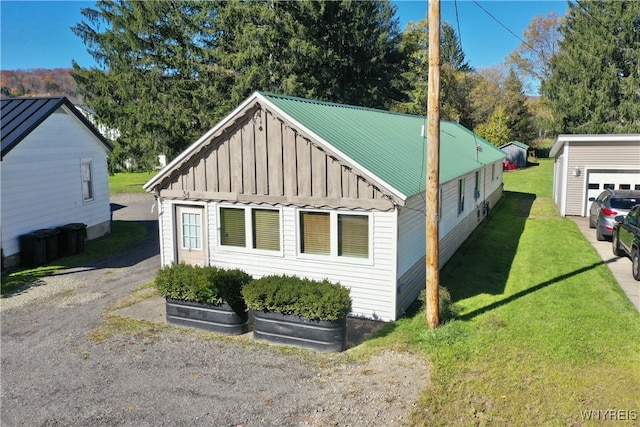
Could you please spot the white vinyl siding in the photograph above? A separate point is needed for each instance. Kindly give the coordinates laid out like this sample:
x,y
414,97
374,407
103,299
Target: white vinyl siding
x,y
42,181
594,153
372,283
453,228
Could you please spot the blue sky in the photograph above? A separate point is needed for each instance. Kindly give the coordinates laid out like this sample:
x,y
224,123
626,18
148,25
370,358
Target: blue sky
x,y
36,34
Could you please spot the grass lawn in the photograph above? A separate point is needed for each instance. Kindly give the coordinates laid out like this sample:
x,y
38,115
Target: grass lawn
x,y
129,182
544,334
123,234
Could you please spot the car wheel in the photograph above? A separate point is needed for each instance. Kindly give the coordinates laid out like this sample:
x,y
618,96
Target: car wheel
x,y
591,224
599,235
614,245
635,264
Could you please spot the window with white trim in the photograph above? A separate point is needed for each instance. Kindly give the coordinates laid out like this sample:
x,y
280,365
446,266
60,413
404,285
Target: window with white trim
x,y
251,228
232,227
87,180
334,234
353,236
315,233
461,189
476,190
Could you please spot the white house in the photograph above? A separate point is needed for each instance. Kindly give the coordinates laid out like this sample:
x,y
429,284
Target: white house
x,y
54,171
587,164
293,186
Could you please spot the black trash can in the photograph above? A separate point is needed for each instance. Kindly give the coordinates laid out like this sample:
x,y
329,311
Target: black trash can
x,y
72,238
51,243
33,249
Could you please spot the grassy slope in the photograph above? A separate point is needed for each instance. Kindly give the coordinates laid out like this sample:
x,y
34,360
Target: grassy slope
x,y
129,182
544,331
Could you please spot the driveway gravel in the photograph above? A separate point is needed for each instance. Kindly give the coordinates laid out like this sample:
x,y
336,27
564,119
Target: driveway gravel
x,y
63,362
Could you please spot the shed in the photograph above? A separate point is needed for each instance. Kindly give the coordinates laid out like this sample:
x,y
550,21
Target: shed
x,y
54,171
287,185
587,164
517,153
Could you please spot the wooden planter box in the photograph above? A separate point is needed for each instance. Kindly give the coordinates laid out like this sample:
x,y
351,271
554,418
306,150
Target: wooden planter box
x,y
216,318
322,335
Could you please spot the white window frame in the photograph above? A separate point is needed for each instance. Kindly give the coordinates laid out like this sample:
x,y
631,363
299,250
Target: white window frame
x,y
333,238
462,188
248,230
91,197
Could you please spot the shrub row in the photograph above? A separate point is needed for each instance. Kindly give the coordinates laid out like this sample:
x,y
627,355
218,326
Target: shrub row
x,y
318,300
206,285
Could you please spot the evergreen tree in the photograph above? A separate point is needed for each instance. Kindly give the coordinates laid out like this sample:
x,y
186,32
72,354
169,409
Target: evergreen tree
x,y
595,77
515,104
345,52
169,70
157,81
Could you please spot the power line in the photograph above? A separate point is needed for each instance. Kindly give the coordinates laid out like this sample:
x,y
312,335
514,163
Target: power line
x,y
503,26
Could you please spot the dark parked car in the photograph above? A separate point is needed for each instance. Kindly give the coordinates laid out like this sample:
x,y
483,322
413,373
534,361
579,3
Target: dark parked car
x,y
607,206
626,239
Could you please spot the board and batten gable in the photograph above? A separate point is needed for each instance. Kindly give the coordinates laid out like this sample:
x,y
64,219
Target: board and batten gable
x,y
577,156
260,158
42,182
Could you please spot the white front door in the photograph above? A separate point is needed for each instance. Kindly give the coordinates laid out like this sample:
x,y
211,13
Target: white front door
x,y
191,235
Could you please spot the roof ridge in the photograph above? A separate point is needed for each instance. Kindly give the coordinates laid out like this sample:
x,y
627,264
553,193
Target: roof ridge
x,y
335,104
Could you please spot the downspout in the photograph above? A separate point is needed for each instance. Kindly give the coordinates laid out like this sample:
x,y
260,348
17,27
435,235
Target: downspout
x,y
158,199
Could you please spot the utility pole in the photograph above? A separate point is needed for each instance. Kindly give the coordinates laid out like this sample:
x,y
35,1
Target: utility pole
x,y
433,167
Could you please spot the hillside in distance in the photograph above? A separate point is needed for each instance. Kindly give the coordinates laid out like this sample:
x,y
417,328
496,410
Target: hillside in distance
x,y
39,82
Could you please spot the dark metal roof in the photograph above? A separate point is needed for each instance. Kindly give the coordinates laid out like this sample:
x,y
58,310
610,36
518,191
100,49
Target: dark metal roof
x,y
20,116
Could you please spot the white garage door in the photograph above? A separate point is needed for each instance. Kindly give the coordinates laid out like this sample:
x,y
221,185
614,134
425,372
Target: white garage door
x,y
598,180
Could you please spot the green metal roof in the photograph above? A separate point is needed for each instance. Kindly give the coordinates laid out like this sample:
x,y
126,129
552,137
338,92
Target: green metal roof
x,y
389,145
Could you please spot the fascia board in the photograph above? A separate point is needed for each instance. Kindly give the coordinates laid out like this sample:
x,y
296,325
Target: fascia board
x,y
193,147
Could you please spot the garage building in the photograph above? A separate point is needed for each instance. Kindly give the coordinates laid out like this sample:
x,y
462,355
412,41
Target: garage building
x,y
587,164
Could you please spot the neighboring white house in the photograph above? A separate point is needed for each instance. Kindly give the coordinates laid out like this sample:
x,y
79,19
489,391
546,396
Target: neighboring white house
x,y
587,164
54,171
293,186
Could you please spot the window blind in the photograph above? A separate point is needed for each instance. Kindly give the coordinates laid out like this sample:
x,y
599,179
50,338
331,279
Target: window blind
x,y
315,236
266,229
232,227
353,236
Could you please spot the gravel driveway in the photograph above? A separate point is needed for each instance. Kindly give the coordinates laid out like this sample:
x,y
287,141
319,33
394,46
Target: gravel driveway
x,y
60,368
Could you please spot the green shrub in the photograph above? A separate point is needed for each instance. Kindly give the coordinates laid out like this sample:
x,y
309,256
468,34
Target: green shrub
x,y
318,300
206,285
447,309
